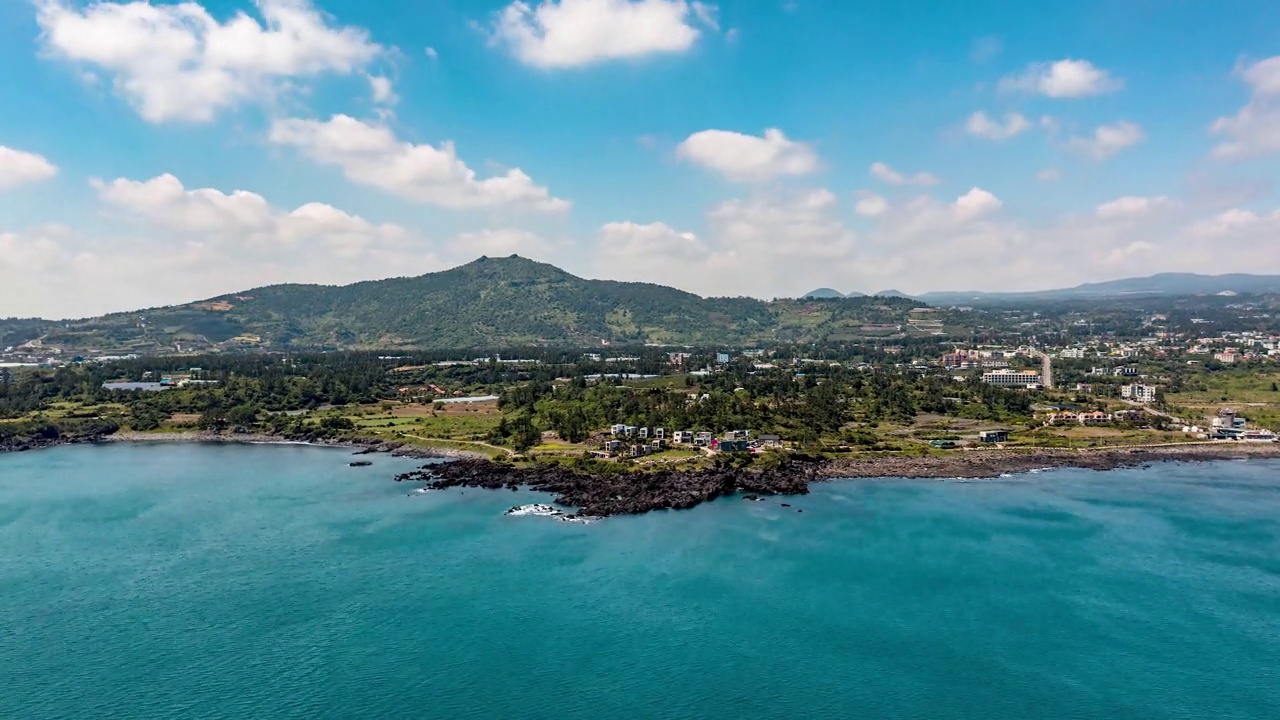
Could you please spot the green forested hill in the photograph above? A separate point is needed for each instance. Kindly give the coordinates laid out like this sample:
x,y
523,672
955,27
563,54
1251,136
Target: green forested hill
x,y
490,302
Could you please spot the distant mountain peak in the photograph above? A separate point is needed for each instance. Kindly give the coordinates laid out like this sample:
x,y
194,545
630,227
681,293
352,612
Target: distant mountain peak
x,y
823,294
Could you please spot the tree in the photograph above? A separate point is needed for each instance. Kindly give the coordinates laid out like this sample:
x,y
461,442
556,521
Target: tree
x,y
524,435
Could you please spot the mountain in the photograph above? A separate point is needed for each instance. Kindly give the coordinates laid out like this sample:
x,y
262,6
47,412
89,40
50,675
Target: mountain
x,y
892,293
491,302
1161,284
512,301
823,294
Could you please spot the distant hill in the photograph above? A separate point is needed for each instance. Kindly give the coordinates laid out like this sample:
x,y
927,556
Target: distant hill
x,y
823,294
491,302
1161,284
512,301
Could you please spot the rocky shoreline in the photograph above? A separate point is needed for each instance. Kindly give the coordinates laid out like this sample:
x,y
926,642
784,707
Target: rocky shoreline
x,y
360,445
629,493
995,463
601,494
622,493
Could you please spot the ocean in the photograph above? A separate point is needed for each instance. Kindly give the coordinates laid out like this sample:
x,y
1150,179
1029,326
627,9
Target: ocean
x,y
238,581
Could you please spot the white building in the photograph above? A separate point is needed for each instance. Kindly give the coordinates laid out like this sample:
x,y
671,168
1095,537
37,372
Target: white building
x,y
1012,378
1139,392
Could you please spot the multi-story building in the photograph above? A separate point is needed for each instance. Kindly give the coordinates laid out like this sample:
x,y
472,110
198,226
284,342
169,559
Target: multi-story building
x,y
1138,392
1013,378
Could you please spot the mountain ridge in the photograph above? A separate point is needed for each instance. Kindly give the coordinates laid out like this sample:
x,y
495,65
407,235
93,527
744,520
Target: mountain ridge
x,y
514,301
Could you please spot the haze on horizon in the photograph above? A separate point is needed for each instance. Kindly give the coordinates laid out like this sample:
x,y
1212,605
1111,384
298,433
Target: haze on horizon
x,y
154,153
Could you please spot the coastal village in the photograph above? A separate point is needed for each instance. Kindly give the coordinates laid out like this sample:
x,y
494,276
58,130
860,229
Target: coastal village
x,y
1156,385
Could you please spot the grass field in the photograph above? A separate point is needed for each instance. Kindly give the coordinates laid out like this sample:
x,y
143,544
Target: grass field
x,y
457,421
1249,394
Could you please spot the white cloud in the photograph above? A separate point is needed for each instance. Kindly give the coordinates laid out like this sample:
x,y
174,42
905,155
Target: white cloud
x,y
982,126
571,33
21,168
160,243
1107,140
177,62
431,53
1049,174
778,244
242,218
370,154
500,242
870,204
628,242
975,204
1131,205
1233,221
1063,79
1255,129
382,90
886,174
767,243
747,157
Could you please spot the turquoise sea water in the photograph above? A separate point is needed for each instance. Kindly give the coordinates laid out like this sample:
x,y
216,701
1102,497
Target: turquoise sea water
x,y
276,582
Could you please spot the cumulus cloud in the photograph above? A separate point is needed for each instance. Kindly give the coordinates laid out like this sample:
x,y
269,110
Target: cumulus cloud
x,y
975,204
776,243
1131,205
161,243
21,168
629,242
244,218
769,242
382,90
572,33
1107,140
747,157
886,174
499,242
1063,79
870,204
1235,220
370,154
1255,129
178,62
982,126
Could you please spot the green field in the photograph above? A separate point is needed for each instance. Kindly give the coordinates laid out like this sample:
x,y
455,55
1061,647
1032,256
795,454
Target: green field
x,y
1254,395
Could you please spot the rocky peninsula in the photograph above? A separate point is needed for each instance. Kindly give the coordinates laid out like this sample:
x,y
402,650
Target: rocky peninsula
x,y
601,494
618,493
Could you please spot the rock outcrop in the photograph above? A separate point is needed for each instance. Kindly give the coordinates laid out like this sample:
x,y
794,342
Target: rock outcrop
x,y
620,493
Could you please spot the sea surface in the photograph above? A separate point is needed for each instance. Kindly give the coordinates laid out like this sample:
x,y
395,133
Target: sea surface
x,y
229,581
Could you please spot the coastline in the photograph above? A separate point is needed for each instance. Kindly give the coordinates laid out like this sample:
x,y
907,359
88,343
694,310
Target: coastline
x,y
970,464
976,464
629,492
359,445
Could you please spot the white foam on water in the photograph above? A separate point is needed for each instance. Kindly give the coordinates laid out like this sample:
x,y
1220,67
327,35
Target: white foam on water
x,y
579,519
538,509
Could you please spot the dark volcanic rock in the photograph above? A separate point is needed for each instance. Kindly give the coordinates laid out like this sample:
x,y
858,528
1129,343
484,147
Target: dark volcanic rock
x,y
618,493
604,494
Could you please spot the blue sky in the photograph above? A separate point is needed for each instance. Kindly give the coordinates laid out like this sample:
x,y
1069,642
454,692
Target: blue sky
x,y
163,152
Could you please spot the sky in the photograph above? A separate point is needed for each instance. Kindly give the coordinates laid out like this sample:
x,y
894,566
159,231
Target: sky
x,y
154,153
